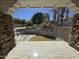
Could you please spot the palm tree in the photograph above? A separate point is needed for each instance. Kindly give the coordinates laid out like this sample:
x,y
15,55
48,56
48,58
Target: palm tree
x,y
59,14
64,10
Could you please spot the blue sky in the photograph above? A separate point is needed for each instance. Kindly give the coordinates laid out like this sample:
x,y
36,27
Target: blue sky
x,y
27,13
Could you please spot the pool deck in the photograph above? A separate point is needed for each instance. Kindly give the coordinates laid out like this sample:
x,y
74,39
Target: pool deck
x,y
43,50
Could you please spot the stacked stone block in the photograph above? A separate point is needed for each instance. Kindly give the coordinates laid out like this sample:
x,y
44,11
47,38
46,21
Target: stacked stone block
x,y
75,32
7,41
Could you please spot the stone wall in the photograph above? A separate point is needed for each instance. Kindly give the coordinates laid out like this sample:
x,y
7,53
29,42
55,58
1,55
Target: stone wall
x,y
7,41
75,32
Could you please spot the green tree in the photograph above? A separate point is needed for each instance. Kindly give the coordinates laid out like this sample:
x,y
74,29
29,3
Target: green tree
x,y
37,18
23,21
17,21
